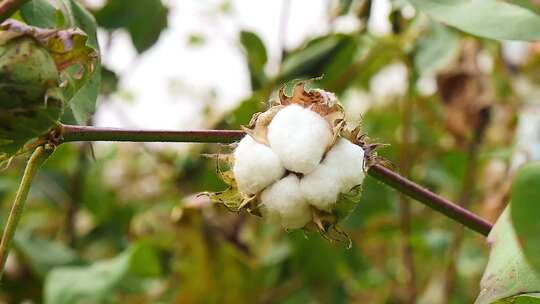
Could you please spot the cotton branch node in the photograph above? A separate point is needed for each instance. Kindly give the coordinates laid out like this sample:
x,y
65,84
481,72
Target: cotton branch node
x,y
300,165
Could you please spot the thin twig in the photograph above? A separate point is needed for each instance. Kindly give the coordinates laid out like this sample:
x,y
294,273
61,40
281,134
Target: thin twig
x,y
383,174
87,133
430,199
38,157
9,7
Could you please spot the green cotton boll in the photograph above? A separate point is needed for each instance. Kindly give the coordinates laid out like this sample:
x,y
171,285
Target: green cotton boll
x,y
27,71
31,101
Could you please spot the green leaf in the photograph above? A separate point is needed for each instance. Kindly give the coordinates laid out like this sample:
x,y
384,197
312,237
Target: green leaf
x,y
84,90
144,20
307,61
532,5
43,255
436,50
94,283
109,81
350,48
532,298
485,18
507,273
81,92
256,58
347,202
83,103
525,206
41,13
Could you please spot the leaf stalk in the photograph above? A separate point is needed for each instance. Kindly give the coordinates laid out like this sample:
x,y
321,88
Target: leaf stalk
x,y
37,158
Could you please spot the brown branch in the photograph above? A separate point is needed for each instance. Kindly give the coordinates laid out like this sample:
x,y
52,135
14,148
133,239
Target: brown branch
x,y
71,133
385,175
430,199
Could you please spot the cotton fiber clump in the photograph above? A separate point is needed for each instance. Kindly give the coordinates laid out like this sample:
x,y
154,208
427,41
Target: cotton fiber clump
x,y
347,159
284,203
299,165
299,137
321,187
256,166
341,170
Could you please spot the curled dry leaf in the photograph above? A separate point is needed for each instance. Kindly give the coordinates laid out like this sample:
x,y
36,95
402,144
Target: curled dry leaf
x,y
467,95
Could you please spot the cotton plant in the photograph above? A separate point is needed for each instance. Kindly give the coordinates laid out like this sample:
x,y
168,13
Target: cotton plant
x,y
300,165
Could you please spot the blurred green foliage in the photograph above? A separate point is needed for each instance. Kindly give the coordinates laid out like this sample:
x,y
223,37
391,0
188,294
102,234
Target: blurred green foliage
x,y
128,227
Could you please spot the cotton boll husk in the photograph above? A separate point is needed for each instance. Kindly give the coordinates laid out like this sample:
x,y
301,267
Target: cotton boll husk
x,y
283,202
255,166
299,137
321,187
347,159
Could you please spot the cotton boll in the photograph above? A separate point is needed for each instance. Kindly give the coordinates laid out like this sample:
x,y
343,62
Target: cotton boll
x,y
348,160
255,166
299,137
283,202
321,187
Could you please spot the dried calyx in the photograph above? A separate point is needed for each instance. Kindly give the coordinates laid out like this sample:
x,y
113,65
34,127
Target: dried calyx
x,y
300,165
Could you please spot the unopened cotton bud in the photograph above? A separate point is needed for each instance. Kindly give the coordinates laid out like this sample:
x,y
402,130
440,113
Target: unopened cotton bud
x,y
255,166
321,187
348,160
299,137
283,202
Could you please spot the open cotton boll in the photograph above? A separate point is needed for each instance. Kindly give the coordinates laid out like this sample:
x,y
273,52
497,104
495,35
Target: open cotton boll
x,y
255,166
283,201
321,187
348,160
299,137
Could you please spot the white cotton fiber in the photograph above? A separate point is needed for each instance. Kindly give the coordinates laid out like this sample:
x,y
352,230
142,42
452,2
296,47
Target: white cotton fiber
x,y
283,202
299,137
348,160
321,187
255,166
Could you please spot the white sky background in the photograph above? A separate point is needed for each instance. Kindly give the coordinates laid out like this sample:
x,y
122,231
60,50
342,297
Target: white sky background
x,y
217,65
172,83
